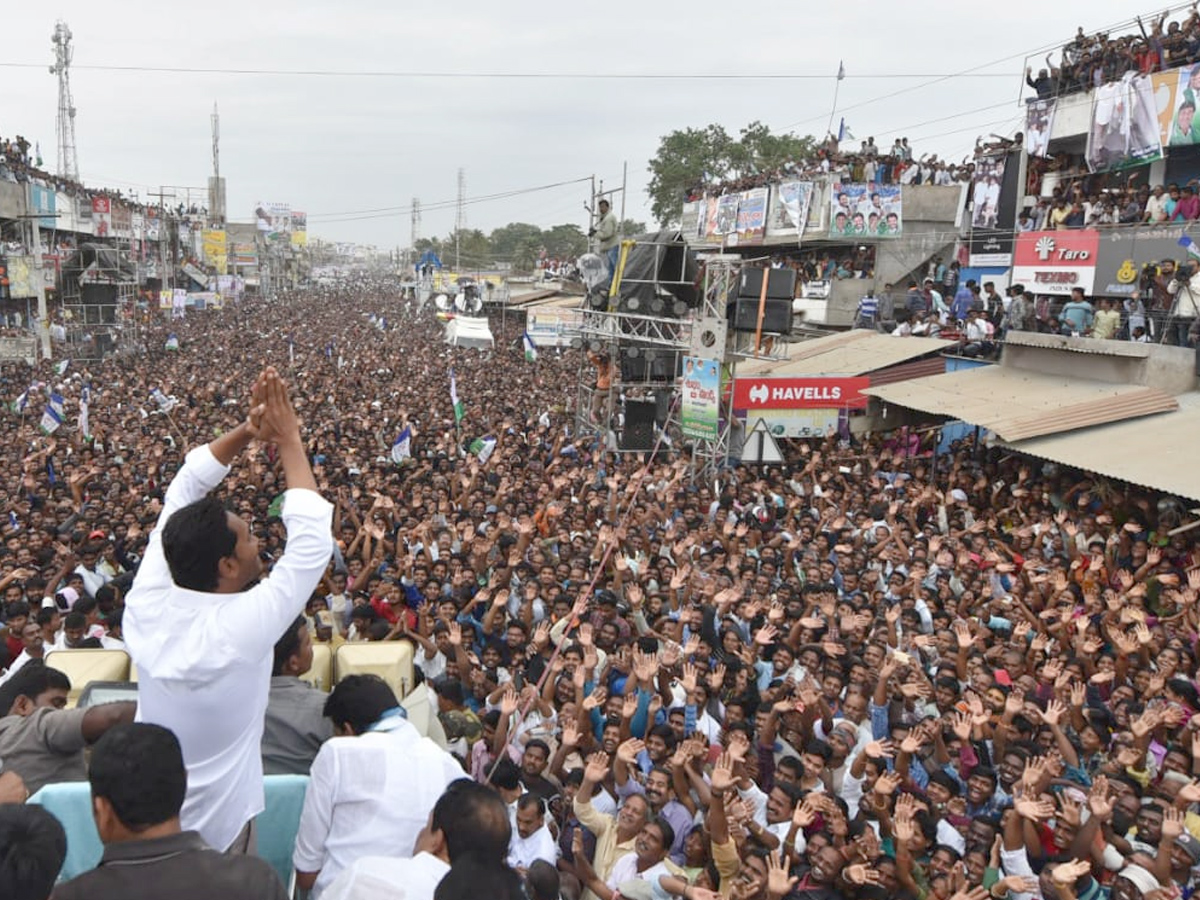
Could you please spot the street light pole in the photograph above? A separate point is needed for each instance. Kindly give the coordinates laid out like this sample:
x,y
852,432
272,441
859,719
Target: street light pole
x,y
39,277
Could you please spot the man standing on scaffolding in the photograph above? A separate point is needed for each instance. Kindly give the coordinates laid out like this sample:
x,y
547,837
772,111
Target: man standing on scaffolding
x,y
605,233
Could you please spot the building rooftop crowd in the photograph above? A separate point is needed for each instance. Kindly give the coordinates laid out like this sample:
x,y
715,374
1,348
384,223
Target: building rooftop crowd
x,y
1090,60
871,671
870,163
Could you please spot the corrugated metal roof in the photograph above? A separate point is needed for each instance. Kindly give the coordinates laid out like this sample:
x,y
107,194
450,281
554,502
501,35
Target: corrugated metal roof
x,y
1157,452
854,352
1017,404
918,368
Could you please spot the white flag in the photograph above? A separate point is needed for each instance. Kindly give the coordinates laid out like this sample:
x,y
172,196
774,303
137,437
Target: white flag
x,y
402,448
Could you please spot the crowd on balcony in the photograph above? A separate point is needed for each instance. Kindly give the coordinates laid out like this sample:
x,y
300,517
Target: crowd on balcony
x,y
870,163
19,165
1075,206
1090,61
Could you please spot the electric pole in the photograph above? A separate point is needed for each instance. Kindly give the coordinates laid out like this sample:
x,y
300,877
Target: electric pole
x,y
460,215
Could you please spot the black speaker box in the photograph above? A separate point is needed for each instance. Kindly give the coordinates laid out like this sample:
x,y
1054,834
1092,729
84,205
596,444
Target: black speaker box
x,y
743,315
99,294
639,425
781,283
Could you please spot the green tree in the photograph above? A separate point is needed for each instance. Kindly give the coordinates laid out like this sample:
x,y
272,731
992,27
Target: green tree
x,y
565,241
630,227
525,257
506,240
472,248
697,156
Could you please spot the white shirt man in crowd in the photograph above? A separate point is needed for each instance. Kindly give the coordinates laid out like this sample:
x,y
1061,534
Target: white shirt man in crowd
x,y
202,636
372,786
469,821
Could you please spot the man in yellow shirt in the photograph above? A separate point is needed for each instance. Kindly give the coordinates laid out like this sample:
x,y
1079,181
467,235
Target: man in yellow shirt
x,y
615,835
1107,320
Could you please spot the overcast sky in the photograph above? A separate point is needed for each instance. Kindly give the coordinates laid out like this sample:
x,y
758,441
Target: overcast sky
x,y
331,144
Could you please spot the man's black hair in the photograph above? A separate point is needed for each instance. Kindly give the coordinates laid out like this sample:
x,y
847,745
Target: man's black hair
x,y
74,619
464,880
35,846
668,833
46,614
359,701
542,881
138,768
16,609
84,605
288,645
32,680
506,776
538,742
528,800
474,821
194,540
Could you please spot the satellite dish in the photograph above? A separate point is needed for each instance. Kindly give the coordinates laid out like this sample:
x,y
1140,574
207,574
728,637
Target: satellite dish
x,y
442,302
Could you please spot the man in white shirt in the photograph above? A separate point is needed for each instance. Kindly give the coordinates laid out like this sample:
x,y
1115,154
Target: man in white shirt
x,y
532,839
202,637
469,820
372,786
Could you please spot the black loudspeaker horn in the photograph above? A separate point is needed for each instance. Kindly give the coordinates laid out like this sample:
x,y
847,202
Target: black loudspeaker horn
x,y
639,425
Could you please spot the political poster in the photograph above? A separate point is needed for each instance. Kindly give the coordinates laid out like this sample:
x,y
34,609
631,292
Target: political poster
x,y
727,212
1039,122
788,208
1125,130
869,210
215,249
273,220
299,228
700,400
752,216
1176,93
994,196
101,217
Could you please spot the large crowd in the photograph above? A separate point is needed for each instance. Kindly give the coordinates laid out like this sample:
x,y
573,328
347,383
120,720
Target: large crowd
x,y
873,671
1091,60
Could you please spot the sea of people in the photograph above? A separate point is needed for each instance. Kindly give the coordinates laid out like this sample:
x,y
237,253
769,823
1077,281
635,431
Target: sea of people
x,y
872,671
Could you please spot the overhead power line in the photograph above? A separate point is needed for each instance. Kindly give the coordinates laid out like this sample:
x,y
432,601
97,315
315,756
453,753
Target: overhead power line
x,y
384,212
421,73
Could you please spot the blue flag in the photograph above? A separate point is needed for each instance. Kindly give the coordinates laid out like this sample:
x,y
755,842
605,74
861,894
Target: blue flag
x,y
402,448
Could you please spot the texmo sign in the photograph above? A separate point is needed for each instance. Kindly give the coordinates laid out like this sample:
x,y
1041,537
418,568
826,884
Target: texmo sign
x,y
1054,262
799,393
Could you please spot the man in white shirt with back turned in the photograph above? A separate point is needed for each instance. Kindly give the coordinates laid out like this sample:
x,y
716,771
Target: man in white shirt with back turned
x,y
373,785
201,632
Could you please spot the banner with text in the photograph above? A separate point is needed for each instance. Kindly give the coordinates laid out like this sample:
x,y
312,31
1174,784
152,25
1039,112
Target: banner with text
x,y
753,394
1124,254
700,402
1054,262
752,217
994,195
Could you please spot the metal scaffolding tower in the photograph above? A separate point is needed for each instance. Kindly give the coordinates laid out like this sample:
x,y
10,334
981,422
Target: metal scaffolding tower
x,y
646,353
64,125
416,223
